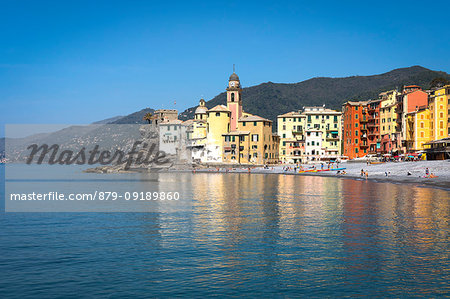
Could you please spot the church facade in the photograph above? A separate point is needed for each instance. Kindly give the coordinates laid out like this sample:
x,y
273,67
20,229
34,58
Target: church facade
x,y
227,134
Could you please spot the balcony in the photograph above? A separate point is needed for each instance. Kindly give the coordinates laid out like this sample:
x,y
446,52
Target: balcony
x,y
364,145
364,120
332,138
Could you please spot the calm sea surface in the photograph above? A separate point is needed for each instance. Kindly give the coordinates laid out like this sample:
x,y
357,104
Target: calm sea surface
x,y
233,234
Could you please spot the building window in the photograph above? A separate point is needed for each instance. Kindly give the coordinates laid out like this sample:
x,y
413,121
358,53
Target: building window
x,y
421,124
255,124
356,133
284,119
312,142
356,141
284,143
232,97
217,114
356,116
309,118
284,135
243,123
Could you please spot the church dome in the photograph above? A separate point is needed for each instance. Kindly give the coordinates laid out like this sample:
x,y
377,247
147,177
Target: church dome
x,y
234,77
201,110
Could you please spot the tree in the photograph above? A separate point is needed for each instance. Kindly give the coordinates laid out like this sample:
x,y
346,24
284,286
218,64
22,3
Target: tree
x,y
439,82
148,117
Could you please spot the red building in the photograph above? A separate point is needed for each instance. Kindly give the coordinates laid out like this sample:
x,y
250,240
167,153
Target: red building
x,y
355,129
373,126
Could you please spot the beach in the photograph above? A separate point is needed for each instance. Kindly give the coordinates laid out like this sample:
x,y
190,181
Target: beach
x,y
397,172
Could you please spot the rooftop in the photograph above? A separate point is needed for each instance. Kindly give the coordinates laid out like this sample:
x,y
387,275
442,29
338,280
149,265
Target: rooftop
x,y
219,108
253,118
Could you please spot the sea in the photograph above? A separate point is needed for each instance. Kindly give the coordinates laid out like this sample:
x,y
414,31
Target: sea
x,y
228,234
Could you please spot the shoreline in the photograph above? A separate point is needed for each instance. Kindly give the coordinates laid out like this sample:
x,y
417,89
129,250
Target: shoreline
x,y
376,172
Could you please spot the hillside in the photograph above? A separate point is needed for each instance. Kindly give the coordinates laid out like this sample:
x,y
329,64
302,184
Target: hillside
x,y
272,99
133,118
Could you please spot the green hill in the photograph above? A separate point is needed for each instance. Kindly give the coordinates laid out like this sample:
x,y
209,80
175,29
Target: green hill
x,y
272,99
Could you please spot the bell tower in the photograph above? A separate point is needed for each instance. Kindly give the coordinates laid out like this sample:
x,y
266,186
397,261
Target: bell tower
x,y
234,100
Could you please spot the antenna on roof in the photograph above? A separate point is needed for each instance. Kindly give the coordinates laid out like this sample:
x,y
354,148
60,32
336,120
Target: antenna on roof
x,y
233,68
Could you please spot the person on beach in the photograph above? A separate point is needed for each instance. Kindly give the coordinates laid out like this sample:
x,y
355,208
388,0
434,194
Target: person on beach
x,y
362,172
367,174
427,172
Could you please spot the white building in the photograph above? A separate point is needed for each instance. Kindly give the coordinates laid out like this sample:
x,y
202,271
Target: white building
x,y
313,144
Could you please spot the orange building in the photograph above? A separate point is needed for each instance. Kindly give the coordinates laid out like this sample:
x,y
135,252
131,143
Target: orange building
x,y
411,99
373,126
355,129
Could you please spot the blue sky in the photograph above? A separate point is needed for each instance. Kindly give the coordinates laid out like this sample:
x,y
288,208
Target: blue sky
x,y
83,61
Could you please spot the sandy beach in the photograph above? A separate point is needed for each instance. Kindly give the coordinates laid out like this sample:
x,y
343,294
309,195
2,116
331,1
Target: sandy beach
x,y
397,172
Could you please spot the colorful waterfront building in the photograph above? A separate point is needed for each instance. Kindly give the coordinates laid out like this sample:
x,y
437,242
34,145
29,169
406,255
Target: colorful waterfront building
x,y
291,127
329,122
252,143
410,100
388,121
227,134
314,150
373,126
438,103
355,129
418,129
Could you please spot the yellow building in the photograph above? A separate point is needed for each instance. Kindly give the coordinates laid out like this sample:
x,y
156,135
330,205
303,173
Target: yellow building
x,y
418,129
329,122
231,135
438,105
254,143
290,129
388,120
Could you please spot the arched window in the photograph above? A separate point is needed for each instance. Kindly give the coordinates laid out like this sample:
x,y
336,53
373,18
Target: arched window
x,y
232,97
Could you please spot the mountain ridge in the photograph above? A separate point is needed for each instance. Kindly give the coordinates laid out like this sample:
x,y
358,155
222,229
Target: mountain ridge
x,y
270,99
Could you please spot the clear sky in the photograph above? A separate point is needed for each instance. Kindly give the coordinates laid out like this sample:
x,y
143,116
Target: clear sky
x,y
82,61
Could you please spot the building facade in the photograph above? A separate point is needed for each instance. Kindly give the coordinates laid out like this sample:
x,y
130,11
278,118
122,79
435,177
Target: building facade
x,y
438,103
292,128
355,131
227,134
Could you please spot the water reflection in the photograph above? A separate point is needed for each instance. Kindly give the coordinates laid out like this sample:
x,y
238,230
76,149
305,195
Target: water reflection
x,y
239,234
